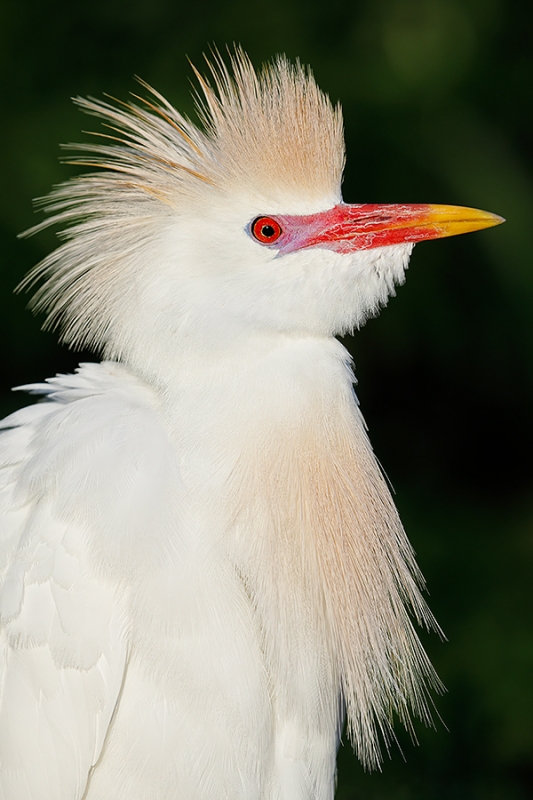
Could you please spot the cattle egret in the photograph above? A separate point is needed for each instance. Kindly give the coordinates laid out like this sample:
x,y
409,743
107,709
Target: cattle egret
x,y
203,569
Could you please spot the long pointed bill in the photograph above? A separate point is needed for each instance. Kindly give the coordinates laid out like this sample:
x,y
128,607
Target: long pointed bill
x,y
346,228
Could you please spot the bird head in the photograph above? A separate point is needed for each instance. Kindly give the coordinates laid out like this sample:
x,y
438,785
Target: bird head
x,y
237,228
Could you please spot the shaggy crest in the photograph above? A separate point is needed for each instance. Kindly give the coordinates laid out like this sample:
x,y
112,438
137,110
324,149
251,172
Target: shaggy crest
x,y
271,138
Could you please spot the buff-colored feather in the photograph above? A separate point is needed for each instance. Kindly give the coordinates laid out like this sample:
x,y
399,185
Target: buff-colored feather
x,y
333,536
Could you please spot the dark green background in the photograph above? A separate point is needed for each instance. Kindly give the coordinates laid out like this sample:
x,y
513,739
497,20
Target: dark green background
x,y
438,108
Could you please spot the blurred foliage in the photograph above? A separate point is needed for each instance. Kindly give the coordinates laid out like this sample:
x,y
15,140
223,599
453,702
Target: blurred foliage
x,y
438,108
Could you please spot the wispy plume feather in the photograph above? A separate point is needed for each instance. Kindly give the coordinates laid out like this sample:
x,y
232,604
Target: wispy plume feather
x,y
271,135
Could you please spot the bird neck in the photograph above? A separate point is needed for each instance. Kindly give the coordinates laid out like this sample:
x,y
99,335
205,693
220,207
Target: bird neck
x,y
217,400
242,374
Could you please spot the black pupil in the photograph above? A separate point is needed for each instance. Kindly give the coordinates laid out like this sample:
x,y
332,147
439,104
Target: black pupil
x,y
267,231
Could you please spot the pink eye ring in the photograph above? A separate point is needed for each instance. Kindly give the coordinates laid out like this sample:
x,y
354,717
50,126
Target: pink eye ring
x,y
266,230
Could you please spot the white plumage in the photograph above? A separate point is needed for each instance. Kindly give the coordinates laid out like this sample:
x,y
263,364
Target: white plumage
x,y
201,563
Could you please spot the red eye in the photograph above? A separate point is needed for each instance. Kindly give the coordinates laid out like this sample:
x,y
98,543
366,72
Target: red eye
x,y
266,230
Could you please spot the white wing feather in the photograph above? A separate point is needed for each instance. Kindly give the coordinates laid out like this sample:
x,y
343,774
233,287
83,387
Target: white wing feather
x,y
76,473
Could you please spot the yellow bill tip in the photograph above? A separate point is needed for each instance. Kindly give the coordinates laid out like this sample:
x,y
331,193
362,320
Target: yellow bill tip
x,y
453,220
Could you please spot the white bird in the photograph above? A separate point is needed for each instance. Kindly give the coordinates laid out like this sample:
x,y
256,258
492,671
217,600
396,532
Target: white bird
x,y
203,570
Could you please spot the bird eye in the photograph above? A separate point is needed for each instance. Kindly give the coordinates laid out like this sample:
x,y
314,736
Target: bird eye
x,y
266,230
